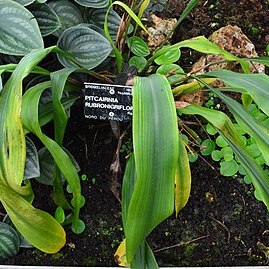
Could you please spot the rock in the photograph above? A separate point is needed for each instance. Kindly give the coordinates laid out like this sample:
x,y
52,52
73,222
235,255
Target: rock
x,y
233,40
159,31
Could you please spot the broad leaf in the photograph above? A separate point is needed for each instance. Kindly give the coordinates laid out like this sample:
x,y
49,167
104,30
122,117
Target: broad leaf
x,y
144,257
138,46
93,3
9,241
46,17
19,30
86,46
37,226
61,158
97,17
156,155
68,13
24,2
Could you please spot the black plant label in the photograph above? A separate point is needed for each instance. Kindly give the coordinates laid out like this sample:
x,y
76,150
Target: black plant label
x,y
107,102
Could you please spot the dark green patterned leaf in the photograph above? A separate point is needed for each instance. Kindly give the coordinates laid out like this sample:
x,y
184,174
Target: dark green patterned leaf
x,y
47,19
86,46
68,13
20,33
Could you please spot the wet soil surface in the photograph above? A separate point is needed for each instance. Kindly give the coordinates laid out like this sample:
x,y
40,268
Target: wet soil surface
x,y
222,224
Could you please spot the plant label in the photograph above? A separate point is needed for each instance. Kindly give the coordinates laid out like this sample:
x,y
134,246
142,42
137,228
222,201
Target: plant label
x,y
107,102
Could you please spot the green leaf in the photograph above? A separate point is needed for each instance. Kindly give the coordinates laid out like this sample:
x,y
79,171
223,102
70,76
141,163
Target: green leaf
x,y
86,46
9,241
168,57
258,177
173,72
31,165
253,127
210,129
138,46
20,33
139,62
59,214
37,226
207,147
97,17
255,85
203,45
190,6
220,141
64,163
46,17
216,155
68,13
192,157
228,169
155,159
93,3
144,255
227,153
24,2
46,164
253,150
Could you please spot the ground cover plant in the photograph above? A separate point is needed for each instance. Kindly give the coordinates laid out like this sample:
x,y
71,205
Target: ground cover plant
x,y
159,156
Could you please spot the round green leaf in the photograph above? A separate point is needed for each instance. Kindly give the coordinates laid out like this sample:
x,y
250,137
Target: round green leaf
x,y
86,46
260,160
78,227
19,30
216,155
247,179
93,3
210,129
228,169
207,147
139,62
81,201
253,150
138,46
9,241
169,57
173,72
193,157
68,13
221,142
227,153
46,17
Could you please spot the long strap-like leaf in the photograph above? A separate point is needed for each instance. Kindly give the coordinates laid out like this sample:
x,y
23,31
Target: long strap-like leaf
x,y
224,125
155,138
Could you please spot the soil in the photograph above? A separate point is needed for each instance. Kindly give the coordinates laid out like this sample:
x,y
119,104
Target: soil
x,y
222,224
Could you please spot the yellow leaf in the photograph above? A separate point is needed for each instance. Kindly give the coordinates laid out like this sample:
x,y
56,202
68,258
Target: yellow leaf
x,y
120,255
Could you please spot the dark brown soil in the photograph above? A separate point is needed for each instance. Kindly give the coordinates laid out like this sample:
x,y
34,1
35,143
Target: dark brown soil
x,y
222,225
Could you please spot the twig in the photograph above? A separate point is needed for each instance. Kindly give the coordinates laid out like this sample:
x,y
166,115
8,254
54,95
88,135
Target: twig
x,y
182,244
224,226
